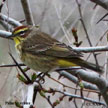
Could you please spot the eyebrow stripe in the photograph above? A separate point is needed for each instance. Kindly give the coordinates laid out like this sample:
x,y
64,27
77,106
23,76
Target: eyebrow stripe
x,y
18,31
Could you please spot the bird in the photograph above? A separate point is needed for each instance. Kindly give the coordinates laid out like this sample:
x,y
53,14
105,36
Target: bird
x,y
41,52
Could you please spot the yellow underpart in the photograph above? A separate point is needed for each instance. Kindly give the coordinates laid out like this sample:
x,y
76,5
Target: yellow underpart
x,y
65,63
18,31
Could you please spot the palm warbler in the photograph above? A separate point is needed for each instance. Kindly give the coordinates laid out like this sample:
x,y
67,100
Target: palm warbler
x,y
43,53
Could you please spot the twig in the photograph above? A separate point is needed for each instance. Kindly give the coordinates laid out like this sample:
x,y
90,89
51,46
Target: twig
x,y
35,93
91,49
80,97
5,25
73,96
13,65
68,26
1,6
84,100
82,21
102,18
100,39
61,24
102,3
21,69
46,6
27,12
106,63
48,99
74,101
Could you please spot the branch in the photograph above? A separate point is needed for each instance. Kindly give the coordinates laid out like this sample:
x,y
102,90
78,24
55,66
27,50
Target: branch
x,y
9,20
102,3
6,26
75,80
80,97
53,91
96,79
90,49
5,34
27,12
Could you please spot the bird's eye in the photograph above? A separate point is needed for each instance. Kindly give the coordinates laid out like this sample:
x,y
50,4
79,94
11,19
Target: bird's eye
x,y
22,33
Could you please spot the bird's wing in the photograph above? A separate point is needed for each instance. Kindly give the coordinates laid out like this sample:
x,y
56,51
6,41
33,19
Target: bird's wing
x,y
42,43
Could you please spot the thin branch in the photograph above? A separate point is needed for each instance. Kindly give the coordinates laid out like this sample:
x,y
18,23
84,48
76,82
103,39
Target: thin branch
x,y
100,39
90,49
68,25
51,90
9,20
20,69
12,65
74,100
49,101
46,7
87,35
27,12
5,25
102,18
61,24
35,93
2,3
80,97
102,3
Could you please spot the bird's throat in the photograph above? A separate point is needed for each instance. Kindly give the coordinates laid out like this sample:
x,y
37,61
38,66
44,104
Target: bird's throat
x,y
17,40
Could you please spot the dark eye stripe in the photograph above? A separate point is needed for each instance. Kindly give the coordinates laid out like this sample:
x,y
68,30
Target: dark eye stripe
x,y
22,32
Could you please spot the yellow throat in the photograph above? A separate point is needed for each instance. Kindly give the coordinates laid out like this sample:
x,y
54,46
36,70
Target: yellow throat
x,y
17,41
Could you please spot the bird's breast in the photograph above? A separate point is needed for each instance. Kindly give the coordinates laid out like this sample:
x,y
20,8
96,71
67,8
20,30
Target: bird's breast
x,y
18,49
38,62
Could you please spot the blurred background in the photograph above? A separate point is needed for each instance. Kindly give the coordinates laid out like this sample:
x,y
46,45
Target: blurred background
x,y
50,16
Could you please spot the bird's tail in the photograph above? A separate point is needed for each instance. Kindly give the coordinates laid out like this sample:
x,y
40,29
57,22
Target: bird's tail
x,y
79,62
89,65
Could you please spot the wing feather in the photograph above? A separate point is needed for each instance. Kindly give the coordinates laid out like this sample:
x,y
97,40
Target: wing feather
x,y
41,43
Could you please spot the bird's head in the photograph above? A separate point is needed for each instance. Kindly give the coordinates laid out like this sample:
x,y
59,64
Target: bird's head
x,y
19,34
